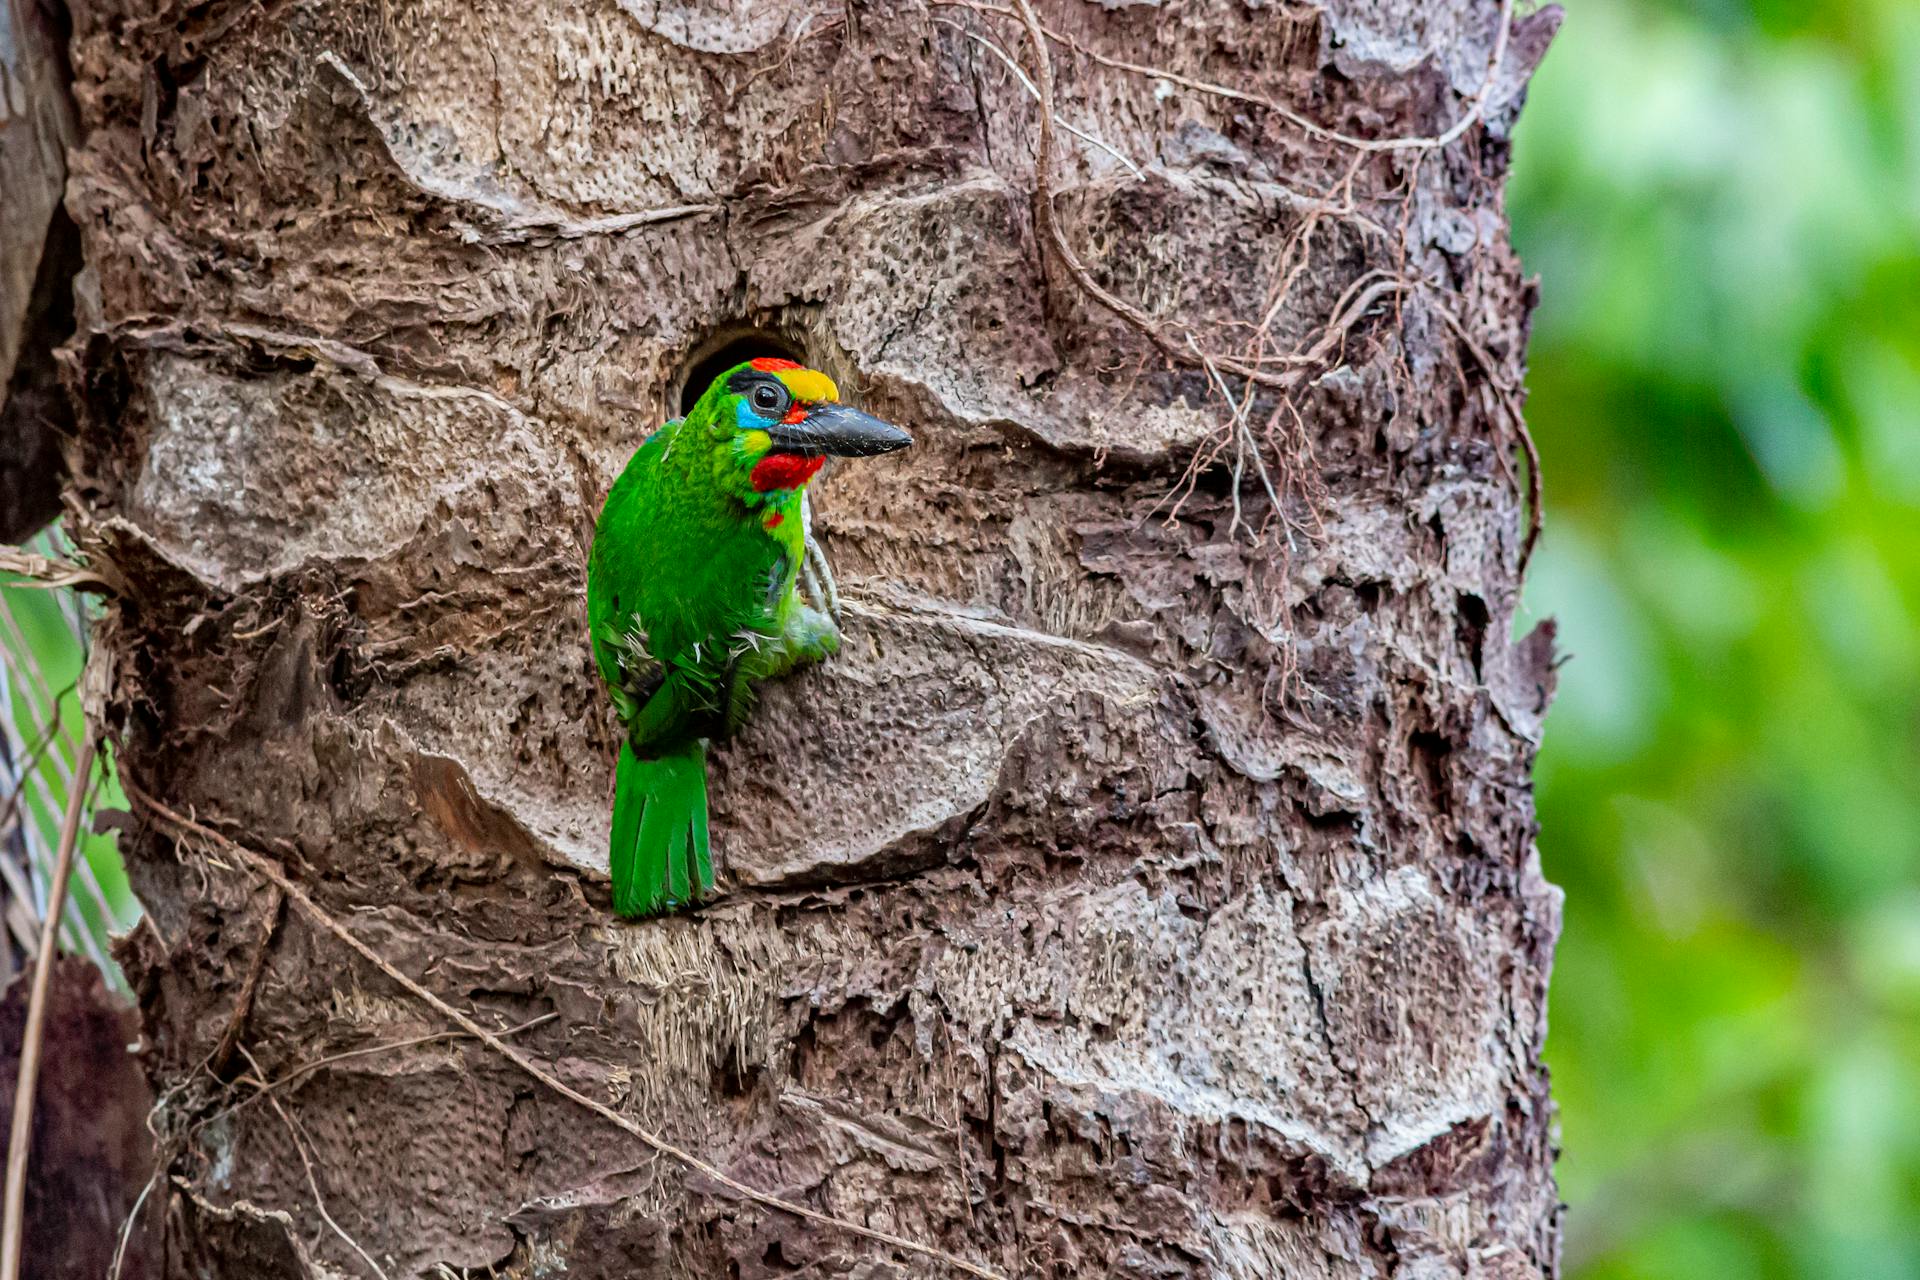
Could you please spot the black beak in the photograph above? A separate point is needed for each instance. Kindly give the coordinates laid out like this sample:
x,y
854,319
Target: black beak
x,y
840,430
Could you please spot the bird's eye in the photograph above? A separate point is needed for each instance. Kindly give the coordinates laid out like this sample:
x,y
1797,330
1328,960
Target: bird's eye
x,y
769,400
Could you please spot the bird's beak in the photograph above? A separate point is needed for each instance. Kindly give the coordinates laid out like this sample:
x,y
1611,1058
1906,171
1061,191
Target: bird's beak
x,y
840,430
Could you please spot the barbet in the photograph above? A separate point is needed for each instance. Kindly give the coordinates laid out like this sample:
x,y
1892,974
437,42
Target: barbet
x,y
691,599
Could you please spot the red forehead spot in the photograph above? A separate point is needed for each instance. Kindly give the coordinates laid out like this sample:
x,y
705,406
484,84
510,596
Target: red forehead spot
x,y
772,364
775,520
784,471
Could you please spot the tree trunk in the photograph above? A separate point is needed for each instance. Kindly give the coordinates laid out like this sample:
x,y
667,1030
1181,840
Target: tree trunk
x,y
1148,887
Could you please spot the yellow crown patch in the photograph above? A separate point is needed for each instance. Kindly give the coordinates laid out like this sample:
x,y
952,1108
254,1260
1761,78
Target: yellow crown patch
x,y
808,384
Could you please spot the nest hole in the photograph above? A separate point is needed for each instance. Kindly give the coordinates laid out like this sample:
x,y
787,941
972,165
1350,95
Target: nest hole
x,y
724,348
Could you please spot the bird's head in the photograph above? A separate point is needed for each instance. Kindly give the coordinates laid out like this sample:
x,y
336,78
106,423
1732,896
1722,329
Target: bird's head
x,y
774,424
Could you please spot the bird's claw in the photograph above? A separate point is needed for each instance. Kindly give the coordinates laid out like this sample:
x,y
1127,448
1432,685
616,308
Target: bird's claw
x,y
816,577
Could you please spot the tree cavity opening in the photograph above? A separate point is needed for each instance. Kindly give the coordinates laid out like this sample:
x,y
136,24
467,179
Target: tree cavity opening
x,y
724,348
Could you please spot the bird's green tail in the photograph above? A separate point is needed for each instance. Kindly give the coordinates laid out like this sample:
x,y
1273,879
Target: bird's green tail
x,y
659,857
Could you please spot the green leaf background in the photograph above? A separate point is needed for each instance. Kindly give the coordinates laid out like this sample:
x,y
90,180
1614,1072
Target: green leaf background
x,y
1722,200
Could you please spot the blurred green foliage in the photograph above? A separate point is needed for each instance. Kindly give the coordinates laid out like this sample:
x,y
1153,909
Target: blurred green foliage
x,y
1723,202
40,645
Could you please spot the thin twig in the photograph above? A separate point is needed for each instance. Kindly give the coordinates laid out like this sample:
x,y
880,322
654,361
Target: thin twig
x,y
1510,401
13,1228
1476,108
387,1046
126,1228
1244,444
46,571
1346,316
268,870
1027,84
243,1002
1043,202
1177,351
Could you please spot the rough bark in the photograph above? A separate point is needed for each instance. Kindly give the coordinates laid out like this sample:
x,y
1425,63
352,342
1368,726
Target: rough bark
x,y
39,253
1137,894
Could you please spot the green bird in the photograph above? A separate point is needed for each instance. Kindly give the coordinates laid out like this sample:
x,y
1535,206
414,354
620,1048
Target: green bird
x,y
691,600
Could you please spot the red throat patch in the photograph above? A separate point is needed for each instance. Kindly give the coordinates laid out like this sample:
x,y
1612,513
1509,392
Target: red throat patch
x,y
784,471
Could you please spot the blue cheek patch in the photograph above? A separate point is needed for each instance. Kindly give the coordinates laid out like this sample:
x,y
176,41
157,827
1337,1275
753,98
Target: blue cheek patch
x,y
747,419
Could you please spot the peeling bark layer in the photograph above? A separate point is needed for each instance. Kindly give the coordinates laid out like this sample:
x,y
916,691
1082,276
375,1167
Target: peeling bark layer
x,y
1133,896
